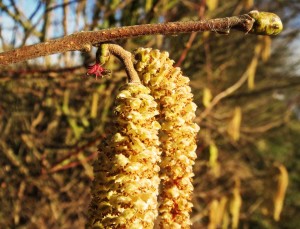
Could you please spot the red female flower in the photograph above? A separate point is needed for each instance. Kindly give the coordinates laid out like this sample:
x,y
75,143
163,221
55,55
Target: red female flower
x,y
97,70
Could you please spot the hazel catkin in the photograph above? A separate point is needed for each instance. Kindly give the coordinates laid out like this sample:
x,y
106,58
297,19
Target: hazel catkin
x,y
171,91
125,187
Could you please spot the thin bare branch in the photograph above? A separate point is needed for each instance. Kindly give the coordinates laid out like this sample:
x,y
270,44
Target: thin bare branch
x,y
18,17
84,40
46,22
188,45
223,94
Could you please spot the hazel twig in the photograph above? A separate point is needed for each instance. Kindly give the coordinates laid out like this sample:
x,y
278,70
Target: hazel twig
x,y
103,55
127,59
253,22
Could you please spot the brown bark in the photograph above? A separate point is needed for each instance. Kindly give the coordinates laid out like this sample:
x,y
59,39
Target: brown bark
x,y
83,41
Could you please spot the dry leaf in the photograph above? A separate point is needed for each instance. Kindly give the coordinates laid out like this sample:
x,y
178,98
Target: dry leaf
x,y
212,4
253,66
233,128
216,212
221,210
282,184
248,4
213,159
206,97
94,106
235,204
213,210
266,48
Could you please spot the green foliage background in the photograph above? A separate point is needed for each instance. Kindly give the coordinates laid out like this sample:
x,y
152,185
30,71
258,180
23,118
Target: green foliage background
x,y
52,119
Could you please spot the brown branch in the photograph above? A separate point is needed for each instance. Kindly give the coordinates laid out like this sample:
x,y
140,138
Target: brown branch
x,y
84,40
184,53
231,89
264,128
222,95
72,164
269,126
14,159
47,21
263,23
188,45
263,90
65,19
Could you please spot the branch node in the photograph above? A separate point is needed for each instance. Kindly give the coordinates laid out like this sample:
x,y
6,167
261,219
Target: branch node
x,y
86,48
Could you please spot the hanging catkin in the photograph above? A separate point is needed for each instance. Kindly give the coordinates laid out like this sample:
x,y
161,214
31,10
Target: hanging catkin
x,y
178,131
125,188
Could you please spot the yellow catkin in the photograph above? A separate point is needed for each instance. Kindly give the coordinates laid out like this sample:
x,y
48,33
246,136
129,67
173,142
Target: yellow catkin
x,y
178,132
125,187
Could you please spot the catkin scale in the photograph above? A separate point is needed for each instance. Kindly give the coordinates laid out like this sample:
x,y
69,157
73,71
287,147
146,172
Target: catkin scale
x,y
125,187
178,132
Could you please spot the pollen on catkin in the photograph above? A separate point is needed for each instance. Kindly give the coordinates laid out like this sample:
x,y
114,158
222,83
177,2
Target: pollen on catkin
x,y
125,187
178,134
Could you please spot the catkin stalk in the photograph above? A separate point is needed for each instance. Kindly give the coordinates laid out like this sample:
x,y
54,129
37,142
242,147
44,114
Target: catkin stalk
x,y
178,132
125,188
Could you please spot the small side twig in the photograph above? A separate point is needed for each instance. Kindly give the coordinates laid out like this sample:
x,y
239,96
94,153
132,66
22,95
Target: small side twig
x,y
127,59
102,57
